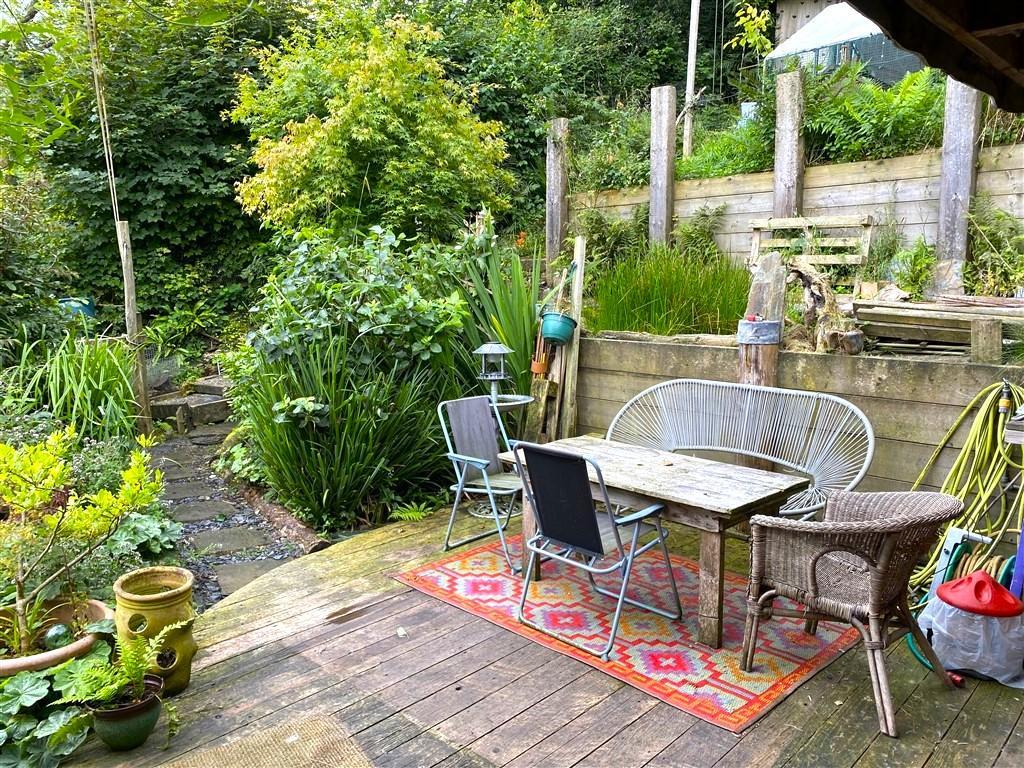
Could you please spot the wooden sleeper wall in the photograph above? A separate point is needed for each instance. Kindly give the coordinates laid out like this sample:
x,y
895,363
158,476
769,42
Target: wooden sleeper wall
x,y
910,403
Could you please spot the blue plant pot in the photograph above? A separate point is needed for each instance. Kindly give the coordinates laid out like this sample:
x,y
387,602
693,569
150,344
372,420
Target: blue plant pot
x,y
78,306
556,327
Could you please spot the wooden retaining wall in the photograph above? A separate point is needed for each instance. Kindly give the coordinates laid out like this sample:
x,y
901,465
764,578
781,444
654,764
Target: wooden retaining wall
x,y
911,403
907,187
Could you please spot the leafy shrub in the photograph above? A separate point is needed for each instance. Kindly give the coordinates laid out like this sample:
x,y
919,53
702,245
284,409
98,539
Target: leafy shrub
x,y
689,288
167,85
356,124
610,239
28,268
613,152
914,269
338,385
996,244
502,299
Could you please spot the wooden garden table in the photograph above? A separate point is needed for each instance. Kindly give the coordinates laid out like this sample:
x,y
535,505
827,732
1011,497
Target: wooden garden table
x,y
708,495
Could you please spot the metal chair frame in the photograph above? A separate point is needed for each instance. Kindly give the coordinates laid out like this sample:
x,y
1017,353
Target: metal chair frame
x,y
819,435
465,469
543,548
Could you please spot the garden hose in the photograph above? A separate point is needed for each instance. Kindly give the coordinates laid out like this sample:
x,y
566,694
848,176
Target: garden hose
x,y
978,476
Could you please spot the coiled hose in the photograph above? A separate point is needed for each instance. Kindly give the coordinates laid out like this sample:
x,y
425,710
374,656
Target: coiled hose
x,y
992,506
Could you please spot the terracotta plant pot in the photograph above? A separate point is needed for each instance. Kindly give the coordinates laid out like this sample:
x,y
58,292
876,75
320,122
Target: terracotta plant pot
x,y
150,599
128,726
63,613
540,367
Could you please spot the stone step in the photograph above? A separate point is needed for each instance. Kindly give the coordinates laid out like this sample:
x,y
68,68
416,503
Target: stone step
x,y
191,512
187,410
222,541
211,385
233,576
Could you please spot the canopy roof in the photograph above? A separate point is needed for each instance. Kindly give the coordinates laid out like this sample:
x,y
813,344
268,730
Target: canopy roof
x,y
836,24
979,42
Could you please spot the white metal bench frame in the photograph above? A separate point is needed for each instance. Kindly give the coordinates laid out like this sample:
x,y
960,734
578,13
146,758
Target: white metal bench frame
x,y
819,435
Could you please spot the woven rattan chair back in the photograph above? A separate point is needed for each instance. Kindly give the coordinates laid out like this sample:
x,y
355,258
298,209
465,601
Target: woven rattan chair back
x,y
822,436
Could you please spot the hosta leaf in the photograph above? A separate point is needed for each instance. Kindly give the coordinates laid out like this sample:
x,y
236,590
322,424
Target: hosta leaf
x,y
64,730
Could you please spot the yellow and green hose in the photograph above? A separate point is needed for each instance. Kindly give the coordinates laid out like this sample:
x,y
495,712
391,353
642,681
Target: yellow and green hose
x,y
978,476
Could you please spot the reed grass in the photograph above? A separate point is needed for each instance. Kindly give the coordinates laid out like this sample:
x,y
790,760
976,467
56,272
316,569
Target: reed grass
x,y
666,292
343,441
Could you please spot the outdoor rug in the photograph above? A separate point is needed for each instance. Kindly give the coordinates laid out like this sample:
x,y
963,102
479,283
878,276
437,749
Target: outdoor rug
x,y
657,655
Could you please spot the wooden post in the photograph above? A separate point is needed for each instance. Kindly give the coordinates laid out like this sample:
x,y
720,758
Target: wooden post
x,y
760,340
789,146
567,422
557,192
691,78
960,132
133,326
987,340
663,162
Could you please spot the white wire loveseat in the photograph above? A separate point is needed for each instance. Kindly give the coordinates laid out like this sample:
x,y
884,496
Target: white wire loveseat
x,y
822,436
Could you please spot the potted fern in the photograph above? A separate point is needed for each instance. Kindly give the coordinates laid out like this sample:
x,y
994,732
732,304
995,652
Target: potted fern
x,y
123,697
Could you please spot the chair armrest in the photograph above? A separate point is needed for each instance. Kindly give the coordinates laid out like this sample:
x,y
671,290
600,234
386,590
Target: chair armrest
x,y
480,464
642,514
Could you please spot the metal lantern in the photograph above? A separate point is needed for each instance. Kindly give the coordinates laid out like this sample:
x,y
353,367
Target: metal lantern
x,y
492,364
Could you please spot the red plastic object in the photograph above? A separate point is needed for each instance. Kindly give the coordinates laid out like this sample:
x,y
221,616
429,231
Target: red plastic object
x,y
980,593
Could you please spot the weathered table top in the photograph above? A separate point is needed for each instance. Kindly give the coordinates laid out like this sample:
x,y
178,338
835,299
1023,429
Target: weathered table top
x,y
688,481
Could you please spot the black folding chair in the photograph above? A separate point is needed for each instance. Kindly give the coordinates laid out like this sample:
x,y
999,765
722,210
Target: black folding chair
x,y
571,530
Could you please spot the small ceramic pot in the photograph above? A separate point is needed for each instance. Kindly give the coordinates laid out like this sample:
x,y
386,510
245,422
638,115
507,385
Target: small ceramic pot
x,y
540,367
129,726
556,327
62,613
150,599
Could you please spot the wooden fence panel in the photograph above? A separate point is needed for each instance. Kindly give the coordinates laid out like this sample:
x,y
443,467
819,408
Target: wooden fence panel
x,y
906,188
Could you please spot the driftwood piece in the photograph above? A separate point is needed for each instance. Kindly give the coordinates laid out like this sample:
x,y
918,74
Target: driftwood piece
x,y
832,329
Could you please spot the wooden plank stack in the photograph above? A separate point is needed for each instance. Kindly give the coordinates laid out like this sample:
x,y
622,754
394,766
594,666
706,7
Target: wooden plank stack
x,y
943,325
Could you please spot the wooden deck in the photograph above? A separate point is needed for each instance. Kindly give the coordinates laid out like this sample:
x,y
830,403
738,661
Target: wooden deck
x,y
418,683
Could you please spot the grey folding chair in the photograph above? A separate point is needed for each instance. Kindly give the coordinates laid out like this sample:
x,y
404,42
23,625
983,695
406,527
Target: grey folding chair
x,y
471,428
572,531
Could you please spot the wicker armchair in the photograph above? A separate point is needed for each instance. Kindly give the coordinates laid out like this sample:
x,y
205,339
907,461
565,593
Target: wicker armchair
x,y
854,567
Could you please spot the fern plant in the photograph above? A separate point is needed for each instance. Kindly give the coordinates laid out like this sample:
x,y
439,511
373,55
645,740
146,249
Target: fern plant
x,y
107,685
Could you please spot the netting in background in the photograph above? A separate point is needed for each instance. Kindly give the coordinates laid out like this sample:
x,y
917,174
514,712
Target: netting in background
x,y
883,60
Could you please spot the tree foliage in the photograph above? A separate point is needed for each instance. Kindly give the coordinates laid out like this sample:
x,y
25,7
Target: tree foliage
x,y
355,123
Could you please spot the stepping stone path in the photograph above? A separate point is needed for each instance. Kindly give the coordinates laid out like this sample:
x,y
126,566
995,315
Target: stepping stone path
x,y
226,542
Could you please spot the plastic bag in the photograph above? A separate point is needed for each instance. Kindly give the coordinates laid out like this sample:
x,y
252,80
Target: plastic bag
x,y
988,645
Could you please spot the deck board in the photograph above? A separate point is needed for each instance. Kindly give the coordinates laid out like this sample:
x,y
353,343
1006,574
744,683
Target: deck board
x,y
419,683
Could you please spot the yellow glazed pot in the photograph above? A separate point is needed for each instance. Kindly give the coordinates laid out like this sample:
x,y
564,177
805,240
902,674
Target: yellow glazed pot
x,y
150,599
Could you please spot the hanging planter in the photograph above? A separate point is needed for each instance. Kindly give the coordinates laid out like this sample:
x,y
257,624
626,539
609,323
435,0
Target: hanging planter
x,y
557,327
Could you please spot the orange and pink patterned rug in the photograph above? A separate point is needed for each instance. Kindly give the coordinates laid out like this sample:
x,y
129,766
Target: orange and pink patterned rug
x,y
656,655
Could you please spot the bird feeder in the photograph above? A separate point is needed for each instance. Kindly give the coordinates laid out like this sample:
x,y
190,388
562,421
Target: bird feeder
x,y
492,365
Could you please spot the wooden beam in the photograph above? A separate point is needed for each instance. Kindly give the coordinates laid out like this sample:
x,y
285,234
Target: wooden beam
x,y
663,162
556,193
986,340
567,422
789,145
133,327
960,134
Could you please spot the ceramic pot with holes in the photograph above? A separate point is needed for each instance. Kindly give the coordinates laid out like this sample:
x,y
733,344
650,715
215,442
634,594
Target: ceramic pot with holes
x,y
150,599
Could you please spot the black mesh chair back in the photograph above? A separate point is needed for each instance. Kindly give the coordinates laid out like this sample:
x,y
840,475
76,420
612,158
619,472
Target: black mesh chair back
x,y
474,431
559,489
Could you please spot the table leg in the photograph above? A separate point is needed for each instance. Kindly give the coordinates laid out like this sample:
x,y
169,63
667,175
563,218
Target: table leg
x,y
712,588
529,523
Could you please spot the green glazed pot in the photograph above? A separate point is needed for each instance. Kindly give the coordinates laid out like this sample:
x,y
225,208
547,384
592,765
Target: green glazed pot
x,y
129,726
150,599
